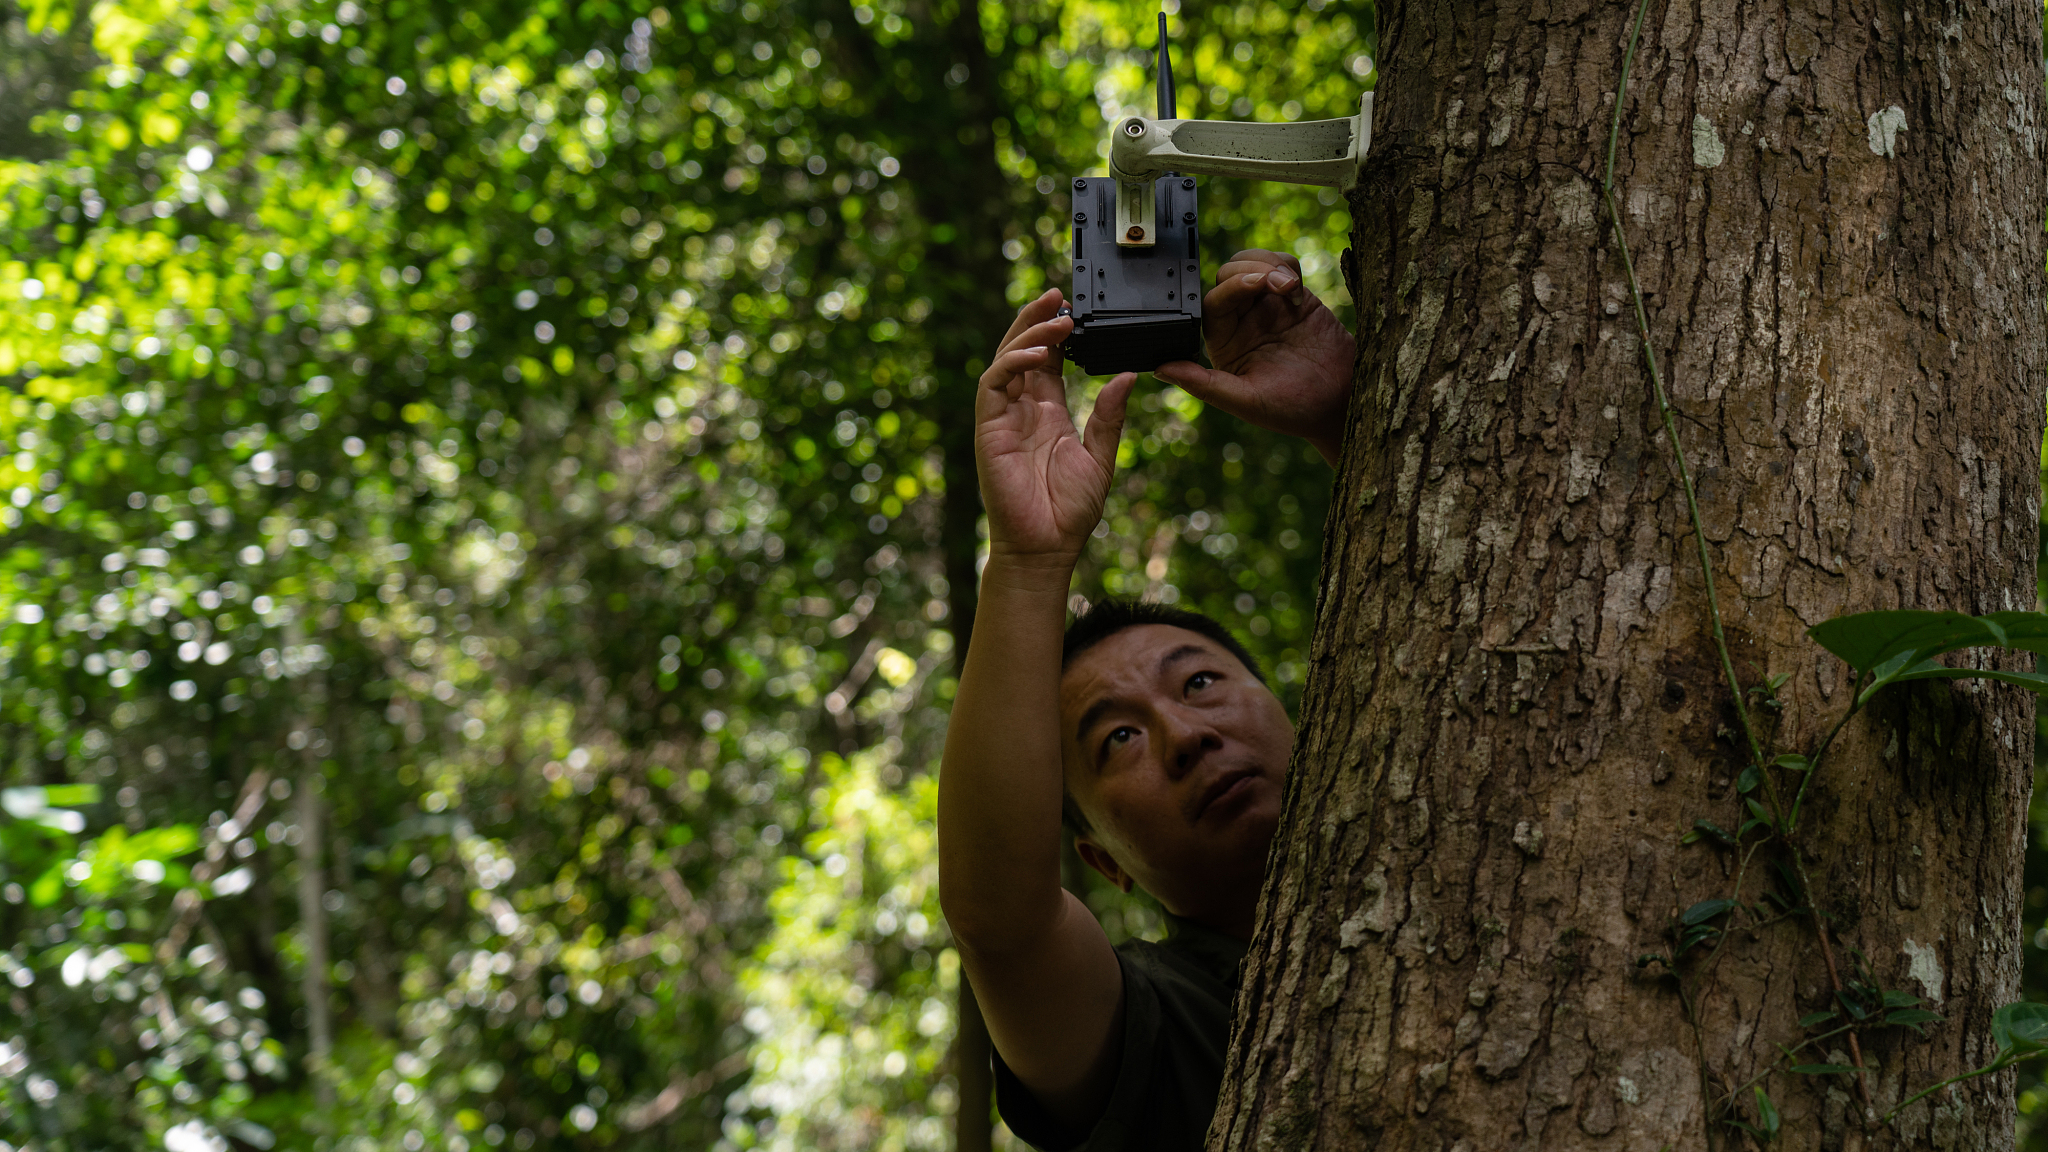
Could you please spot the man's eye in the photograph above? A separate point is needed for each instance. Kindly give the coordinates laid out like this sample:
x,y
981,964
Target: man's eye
x,y
1118,738
1201,680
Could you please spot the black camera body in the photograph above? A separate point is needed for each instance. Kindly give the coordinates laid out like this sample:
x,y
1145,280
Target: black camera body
x,y
1135,307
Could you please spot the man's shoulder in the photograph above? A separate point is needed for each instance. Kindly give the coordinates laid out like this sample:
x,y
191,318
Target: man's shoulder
x,y
1190,951
1185,979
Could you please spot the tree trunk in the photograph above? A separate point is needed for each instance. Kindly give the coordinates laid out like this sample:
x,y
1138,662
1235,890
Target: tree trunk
x,y
1516,706
313,922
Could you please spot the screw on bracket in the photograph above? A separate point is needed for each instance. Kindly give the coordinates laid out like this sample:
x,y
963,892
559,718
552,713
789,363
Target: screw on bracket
x,y
1134,128
1080,217
1135,233
1080,185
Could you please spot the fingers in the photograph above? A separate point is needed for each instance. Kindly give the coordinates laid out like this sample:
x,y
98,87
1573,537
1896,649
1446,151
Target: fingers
x,y
1009,377
1233,394
1029,349
1033,313
1276,272
1106,423
1238,294
1044,334
1256,259
1013,362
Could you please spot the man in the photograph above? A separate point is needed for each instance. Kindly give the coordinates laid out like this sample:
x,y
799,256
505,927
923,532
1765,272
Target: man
x,y
1152,726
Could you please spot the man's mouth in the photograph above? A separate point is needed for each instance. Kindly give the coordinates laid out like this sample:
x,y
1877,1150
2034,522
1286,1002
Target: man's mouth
x,y
1225,786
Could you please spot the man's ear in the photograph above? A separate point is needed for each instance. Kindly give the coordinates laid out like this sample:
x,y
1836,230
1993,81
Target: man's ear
x,y
1093,855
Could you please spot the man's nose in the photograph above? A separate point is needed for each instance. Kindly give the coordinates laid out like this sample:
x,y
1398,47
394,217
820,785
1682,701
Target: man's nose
x,y
1189,737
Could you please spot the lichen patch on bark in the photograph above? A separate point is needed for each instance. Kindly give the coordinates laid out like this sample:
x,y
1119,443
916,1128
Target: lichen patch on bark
x,y
1885,124
1707,149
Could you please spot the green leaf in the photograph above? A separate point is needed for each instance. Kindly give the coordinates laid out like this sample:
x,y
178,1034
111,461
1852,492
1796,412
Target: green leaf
x,y
1929,670
1824,1069
1812,1018
1766,1114
48,886
1760,812
1901,645
164,843
1699,934
2022,1026
1712,829
1867,640
1793,762
1787,879
1915,1025
1704,911
67,795
1899,998
1884,674
1747,782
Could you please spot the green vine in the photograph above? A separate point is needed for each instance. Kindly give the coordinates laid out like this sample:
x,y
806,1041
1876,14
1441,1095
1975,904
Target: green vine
x,y
1881,648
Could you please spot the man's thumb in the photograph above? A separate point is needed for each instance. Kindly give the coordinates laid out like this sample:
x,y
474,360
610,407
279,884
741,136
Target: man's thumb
x,y
1106,422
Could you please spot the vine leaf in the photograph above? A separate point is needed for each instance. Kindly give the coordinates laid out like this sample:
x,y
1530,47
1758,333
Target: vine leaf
x,y
1812,1018
2020,1029
1704,911
1912,1018
1901,644
1898,998
1766,1115
1697,934
1708,828
1788,881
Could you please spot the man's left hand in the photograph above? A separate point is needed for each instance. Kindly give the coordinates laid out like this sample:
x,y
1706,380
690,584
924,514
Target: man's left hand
x,y
1283,361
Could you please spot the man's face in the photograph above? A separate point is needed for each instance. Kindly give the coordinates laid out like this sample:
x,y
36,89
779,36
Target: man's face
x,y
1176,754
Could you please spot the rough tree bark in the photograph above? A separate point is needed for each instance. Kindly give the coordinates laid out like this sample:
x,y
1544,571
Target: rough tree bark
x,y
1515,707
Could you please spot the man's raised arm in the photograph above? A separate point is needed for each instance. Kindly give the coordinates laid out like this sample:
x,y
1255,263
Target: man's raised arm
x,y
1043,971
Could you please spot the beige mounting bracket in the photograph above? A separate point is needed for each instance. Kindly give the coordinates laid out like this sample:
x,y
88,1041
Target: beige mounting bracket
x,y
1330,153
1135,226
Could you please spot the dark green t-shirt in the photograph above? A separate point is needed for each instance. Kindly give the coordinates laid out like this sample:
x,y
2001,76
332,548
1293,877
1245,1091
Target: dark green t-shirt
x,y
1177,996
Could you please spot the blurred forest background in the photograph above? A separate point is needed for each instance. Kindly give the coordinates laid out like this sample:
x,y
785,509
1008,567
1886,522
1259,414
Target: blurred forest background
x,y
487,524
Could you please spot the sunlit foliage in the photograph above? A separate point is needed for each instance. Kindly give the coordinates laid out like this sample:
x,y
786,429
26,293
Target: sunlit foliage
x,y
473,503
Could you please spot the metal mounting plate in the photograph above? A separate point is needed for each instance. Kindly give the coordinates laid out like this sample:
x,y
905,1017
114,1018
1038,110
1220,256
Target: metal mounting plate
x,y
1136,224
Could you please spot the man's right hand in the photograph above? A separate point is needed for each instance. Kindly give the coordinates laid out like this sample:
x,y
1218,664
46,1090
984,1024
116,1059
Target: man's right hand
x,y
1048,981
1043,483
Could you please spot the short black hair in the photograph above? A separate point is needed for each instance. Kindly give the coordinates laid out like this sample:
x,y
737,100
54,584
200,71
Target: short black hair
x,y
1106,618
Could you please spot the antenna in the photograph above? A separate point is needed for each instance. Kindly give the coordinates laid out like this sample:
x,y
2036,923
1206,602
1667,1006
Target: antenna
x,y
1168,110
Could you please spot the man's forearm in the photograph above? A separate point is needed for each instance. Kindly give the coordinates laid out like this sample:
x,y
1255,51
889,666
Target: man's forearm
x,y
1000,782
